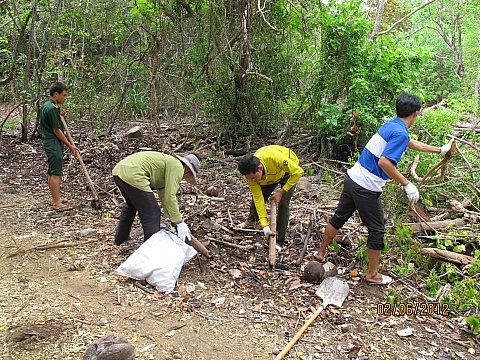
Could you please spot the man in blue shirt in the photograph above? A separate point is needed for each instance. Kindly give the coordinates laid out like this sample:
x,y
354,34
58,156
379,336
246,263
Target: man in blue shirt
x,y
365,180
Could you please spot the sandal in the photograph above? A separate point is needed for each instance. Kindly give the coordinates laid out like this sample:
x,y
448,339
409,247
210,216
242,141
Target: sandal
x,y
385,280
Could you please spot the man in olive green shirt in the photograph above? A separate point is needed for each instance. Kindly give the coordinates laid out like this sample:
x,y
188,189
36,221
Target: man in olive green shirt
x,y
137,176
269,167
51,129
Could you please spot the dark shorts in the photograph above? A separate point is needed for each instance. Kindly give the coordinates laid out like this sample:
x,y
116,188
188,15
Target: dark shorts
x,y
54,150
370,208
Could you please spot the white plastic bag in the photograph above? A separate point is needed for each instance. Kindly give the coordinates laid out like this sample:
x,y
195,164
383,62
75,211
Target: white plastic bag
x,y
158,261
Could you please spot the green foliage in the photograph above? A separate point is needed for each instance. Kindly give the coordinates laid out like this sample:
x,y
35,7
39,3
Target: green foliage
x,y
310,172
475,267
474,322
465,294
326,176
432,126
354,73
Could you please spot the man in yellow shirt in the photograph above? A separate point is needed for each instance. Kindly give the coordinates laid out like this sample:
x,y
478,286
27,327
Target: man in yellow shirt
x,y
270,166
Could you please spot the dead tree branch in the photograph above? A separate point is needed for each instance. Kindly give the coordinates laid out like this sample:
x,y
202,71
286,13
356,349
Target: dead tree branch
x,y
404,18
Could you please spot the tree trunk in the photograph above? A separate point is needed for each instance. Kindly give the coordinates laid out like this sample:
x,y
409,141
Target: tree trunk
x,y
378,17
153,82
26,77
244,62
477,88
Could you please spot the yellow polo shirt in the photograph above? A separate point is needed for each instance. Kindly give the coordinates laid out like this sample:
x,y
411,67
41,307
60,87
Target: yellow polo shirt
x,y
277,161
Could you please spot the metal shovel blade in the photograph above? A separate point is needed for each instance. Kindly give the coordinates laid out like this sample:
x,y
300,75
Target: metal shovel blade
x,y
333,291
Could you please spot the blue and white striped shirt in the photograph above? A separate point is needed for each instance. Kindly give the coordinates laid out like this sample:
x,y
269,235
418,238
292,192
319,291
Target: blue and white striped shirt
x,y
390,141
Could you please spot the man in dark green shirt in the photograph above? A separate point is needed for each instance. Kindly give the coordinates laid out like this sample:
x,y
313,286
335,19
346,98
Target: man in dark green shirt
x,y
51,129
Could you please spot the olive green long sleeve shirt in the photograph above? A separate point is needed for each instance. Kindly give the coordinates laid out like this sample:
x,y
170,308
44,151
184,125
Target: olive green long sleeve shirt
x,y
152,170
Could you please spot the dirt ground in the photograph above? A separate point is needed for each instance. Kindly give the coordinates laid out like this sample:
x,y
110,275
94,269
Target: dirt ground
x,y
60,293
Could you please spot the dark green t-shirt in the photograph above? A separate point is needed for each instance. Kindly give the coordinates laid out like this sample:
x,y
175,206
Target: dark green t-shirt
x,y
49,120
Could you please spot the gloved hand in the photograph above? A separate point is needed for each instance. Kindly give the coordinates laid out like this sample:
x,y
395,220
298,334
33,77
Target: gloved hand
x,y
446,148
412,192
183,231
267,231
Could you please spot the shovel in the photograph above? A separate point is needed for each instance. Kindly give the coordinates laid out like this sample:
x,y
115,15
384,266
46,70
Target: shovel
x,y
95,202
333,291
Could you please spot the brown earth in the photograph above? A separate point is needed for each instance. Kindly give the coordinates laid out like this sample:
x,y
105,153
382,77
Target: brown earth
x,y
60,293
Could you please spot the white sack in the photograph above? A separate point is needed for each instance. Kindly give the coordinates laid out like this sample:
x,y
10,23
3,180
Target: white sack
x,y
158,261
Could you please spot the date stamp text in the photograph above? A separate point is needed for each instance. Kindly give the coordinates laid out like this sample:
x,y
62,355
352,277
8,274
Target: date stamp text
x,y
412,309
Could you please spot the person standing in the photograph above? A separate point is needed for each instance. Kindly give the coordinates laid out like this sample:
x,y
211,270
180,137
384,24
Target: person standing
x,y
137,176
269,167
52,131
365,180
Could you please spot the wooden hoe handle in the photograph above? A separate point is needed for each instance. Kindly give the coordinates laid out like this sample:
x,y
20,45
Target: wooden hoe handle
x,y
80,160
299,334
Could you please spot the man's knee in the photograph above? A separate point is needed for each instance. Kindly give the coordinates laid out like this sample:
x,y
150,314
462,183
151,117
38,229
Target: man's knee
x,y
376,240
337,222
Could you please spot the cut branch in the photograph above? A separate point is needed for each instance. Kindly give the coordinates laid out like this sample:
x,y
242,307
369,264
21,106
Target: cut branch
x,y
447,255
419,227
404,18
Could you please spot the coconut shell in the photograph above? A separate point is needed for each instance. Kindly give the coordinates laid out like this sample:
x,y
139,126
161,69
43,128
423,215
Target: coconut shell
x,y
314,272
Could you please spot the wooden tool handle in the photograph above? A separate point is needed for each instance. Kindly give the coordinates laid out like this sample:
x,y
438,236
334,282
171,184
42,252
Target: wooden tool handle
x,y
197,245
452,150
80,160
272,239
299,334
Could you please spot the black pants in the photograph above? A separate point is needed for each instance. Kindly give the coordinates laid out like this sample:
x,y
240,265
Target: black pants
x,y
283,212
136,200
370,208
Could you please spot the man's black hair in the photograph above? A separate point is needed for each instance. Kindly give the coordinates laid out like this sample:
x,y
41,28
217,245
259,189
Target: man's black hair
x,y
248,164
407,104
58,87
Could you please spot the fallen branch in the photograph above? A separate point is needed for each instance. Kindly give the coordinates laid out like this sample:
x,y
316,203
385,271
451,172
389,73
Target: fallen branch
x,y
197,245
56,245
305,243
213,198
432,174
226,243
419,227
447,255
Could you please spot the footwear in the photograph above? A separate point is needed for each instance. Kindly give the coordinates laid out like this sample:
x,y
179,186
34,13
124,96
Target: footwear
x,y
385,280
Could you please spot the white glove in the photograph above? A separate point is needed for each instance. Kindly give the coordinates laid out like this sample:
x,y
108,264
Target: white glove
x,y
183,231
412,192
267,231
446,148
